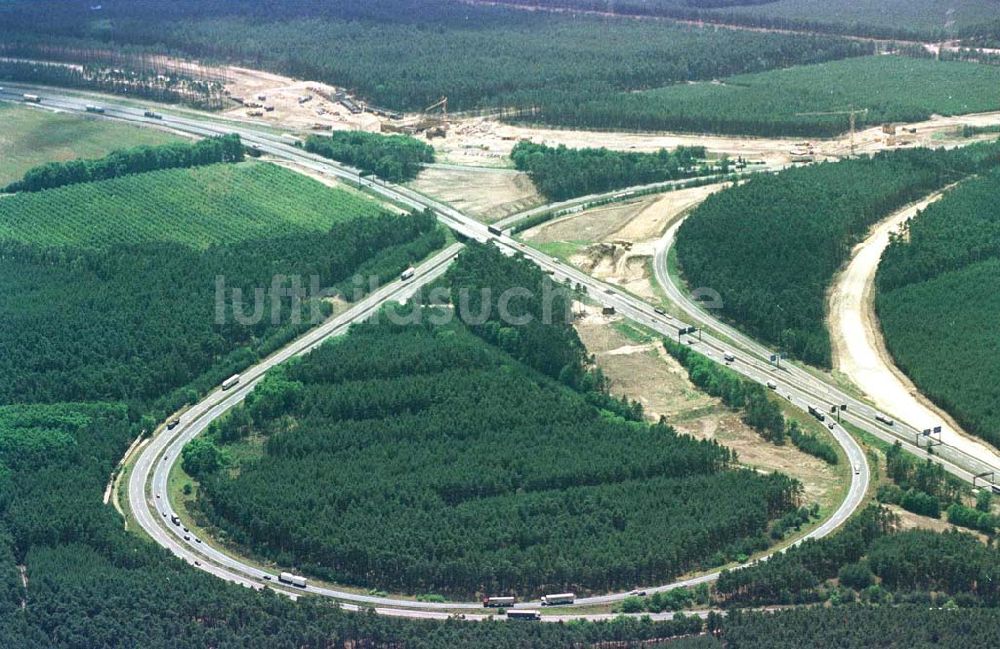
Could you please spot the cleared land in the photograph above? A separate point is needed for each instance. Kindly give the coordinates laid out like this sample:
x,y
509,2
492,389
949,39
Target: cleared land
x,y
616,242
217,204
31,137
640,369
486,194
938,306
859,349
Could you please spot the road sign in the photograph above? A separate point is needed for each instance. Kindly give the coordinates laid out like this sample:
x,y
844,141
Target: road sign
x,y
937,429
927,432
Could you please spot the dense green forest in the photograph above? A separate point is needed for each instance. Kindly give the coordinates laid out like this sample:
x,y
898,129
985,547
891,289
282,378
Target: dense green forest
x,y
396,158
198,208
561,173
91,584
124,162
772,245
784,102
760,410
423,459
893,19
73,281
938,305
407,54
874,563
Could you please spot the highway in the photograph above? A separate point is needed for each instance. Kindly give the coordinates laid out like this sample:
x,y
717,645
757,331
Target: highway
x,y
823,392
149,476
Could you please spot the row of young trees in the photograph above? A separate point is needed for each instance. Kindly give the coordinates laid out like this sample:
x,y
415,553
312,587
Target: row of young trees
x,y
561,173
771,246
125,162
932,290
133,83
396,158
760,411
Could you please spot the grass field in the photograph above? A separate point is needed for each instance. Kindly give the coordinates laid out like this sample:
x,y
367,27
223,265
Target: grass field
x,y
198,207
31,137
892,88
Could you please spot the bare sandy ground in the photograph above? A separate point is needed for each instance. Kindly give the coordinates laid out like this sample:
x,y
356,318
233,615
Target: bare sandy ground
x,y
622,237
486,141
859,350
488,195
646,373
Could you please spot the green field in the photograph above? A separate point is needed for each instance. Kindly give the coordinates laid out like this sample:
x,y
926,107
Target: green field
x,y
31,137
197,207
892,88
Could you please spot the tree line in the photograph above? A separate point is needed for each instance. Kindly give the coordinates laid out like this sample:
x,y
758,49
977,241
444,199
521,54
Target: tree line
x,y
135,160
930,292
560,173
396,158
783,237
760,411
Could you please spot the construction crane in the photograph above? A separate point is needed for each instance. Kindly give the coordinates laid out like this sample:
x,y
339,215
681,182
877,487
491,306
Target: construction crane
x,y
442,103
439,130
853,112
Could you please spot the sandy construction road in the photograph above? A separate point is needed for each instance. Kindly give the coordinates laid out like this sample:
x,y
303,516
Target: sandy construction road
x,y
859,350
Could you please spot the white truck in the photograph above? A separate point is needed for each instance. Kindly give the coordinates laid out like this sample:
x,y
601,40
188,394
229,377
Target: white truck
x,y
521,614
231,382
558,598
497,602
407,274
34,99
294,580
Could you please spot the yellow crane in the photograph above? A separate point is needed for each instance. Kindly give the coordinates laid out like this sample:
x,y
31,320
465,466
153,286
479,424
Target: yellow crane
x,y
853,112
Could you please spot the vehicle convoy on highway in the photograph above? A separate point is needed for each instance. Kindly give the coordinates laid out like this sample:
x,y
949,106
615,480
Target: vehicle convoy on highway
x,y
262,460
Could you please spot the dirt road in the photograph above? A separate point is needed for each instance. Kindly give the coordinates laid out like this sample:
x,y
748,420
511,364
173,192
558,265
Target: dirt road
x,y
859,350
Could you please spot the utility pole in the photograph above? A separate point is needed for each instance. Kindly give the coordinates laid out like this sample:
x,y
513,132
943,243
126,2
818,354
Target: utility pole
x,y
853,119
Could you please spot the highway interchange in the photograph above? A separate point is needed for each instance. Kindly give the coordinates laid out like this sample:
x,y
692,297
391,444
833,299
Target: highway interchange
x,y
147,483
